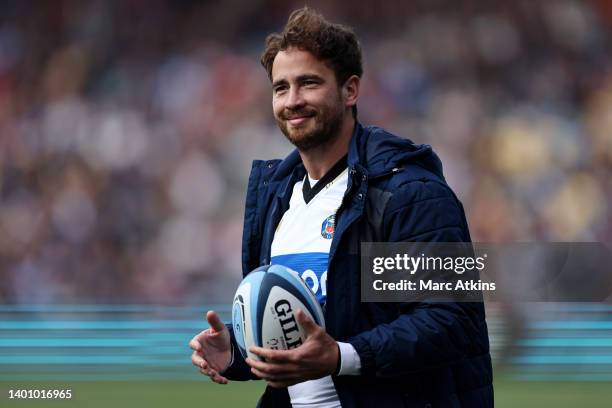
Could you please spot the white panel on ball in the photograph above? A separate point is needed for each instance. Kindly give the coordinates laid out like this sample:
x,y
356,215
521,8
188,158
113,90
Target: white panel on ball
x,y
263,311
280,329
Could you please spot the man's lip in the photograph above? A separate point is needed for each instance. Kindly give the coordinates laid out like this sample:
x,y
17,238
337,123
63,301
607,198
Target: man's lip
x,y
297,120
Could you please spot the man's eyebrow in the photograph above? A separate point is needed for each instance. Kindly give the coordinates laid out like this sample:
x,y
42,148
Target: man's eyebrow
x,y
301,78
307,77
279,82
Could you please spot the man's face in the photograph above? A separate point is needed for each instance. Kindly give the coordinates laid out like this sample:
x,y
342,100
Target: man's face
x,y
307,101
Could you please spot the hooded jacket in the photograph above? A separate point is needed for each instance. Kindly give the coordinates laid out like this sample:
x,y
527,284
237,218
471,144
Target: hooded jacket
x,y
412,354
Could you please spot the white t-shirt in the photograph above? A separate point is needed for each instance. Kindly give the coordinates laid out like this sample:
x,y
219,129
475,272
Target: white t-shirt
x,y
302,242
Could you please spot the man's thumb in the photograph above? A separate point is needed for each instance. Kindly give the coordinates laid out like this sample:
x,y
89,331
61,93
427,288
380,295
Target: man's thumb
x,y
215,322
306,322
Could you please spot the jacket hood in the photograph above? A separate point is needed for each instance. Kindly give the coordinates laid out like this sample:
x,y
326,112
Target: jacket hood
x,y
379,152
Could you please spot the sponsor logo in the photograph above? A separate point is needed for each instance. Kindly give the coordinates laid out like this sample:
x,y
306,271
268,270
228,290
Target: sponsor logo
x,y
311,267
328,227
315,283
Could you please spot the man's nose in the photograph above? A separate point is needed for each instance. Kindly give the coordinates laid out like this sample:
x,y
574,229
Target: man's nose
x,y
294,99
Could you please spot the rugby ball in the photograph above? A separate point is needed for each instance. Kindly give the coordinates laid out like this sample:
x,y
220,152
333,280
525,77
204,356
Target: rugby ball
x,y
264,306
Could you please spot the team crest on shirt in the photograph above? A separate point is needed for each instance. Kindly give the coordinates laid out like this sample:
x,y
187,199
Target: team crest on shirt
x,y
328,227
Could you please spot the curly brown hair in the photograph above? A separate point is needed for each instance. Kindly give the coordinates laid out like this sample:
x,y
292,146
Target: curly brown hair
x,y
334,44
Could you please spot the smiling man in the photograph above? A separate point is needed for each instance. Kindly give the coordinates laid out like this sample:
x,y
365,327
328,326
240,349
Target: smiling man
x,y
345,184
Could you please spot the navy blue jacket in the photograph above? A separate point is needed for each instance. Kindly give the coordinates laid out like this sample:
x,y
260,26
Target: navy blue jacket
x,y
412,354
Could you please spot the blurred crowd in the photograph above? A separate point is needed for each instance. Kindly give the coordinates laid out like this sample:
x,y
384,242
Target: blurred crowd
x,y
127,130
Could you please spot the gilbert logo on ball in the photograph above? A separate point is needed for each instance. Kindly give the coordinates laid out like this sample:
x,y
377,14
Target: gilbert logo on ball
x,y
263,311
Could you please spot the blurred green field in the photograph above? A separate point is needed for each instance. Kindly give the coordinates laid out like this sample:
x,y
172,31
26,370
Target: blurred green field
x,y
508,393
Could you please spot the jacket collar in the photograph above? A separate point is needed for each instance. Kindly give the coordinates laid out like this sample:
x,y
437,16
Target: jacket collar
x,y
372,151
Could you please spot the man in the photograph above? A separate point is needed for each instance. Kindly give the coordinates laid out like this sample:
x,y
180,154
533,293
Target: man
x,y
345,184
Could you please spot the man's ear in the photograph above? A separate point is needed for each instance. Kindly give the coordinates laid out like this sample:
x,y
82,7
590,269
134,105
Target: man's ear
x,y
350,91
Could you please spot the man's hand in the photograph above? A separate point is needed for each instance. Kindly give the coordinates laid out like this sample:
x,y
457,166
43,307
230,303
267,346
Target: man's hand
x,y
212,349
316,358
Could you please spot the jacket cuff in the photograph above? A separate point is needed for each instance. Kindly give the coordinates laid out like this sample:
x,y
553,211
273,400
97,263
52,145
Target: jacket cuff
x,y
366,355
238,370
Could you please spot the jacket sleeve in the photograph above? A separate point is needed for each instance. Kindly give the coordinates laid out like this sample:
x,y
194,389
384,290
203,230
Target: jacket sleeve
x,y
238,369
427,334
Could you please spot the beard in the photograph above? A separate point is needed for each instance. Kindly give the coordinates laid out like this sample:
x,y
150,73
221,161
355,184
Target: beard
x,y
321,127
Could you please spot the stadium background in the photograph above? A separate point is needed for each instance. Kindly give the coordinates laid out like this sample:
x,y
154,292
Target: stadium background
x,y
126,135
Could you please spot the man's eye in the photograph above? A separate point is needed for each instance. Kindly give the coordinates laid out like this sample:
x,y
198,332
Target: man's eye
x,y
279,89
310,83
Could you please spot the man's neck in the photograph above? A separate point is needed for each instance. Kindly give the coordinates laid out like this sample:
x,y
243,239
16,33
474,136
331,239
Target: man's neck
x,y
321,159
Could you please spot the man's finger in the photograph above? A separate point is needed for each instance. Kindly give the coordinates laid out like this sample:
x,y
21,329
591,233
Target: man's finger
x,y
219,379
216,325
213,375
306,322
260,374
196,341
265,367
197,360
277,356
278,370
287,376
207,371
195,344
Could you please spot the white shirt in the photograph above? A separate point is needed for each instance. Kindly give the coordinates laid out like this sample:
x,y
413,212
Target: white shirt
x,y
302,242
